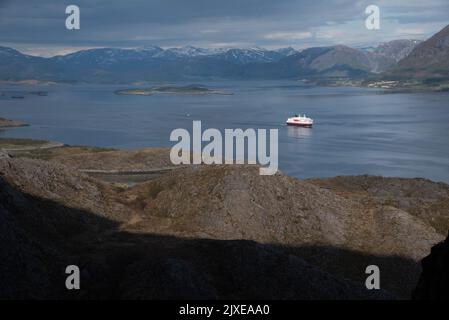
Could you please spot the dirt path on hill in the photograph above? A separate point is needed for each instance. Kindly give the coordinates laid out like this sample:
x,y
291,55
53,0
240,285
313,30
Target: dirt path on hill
x,y
47,145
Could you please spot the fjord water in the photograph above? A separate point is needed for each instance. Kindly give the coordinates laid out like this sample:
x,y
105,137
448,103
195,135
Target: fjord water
x,y
357,131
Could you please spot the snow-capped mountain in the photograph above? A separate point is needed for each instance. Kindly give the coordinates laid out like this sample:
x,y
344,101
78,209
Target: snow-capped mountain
x,y
10,54
287,51
250,55
152,63
108,56
388,54
243,56
188,52
396,49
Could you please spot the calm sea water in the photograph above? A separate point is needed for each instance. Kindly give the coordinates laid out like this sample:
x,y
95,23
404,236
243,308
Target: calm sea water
x,y
357,131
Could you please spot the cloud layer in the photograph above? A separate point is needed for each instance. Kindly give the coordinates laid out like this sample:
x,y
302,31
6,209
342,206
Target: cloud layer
x,y
39,27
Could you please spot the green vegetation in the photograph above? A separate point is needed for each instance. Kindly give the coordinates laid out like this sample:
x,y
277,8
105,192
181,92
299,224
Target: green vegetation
x,y
410,85
48,154
11,143
33,149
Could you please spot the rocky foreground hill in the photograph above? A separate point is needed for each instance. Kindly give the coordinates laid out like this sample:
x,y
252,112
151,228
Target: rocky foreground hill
x,y
434,281
209,231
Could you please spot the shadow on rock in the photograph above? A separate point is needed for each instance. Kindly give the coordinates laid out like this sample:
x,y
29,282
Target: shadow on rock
x,y
39,238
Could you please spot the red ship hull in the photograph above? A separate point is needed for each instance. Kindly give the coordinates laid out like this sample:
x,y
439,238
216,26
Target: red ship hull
x,y
299,124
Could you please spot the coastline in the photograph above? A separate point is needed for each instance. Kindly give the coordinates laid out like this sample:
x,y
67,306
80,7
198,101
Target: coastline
x,y
6,123
387,86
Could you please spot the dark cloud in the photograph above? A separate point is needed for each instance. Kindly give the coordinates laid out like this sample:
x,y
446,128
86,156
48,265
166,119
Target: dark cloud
x,y
39,24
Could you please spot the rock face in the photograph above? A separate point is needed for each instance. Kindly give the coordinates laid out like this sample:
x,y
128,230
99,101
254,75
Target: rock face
x,y
4,154
141,159
234,270
339,56
48,220
34,232
434,281
430,57
61,184
208,232
323,226
388,54
229,202
421,198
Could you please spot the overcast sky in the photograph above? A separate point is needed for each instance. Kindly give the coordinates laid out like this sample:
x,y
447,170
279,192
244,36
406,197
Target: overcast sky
x,y
38,27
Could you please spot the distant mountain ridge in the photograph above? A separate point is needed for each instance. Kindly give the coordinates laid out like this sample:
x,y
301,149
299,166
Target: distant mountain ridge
x,y
146,63
429,58
152,63
388,54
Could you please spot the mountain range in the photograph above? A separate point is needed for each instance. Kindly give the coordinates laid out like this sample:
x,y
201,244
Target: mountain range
x,y
152,63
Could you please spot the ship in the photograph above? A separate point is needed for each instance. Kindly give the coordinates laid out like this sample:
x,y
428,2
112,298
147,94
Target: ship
x,y
301,121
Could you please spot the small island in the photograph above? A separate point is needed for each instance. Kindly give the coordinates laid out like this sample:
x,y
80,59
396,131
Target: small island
x,y
186,90
5,123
